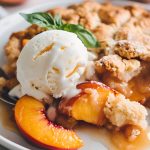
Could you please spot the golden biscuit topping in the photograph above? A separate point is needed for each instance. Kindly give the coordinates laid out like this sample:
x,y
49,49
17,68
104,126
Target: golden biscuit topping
x,y
121,68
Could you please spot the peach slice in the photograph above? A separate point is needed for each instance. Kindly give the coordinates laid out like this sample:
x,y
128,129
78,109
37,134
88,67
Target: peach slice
x,y
33,123
89,104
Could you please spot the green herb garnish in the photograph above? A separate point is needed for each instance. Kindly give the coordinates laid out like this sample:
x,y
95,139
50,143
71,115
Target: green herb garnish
x,y
49,22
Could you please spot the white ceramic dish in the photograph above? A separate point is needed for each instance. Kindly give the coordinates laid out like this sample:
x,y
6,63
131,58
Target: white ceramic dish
x,y
92,136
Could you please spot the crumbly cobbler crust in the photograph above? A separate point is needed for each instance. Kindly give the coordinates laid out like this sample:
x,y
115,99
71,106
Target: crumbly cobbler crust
x,y
121,111
124,34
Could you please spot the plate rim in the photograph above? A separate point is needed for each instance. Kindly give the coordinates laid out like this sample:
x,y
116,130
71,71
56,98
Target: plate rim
x,y
4,141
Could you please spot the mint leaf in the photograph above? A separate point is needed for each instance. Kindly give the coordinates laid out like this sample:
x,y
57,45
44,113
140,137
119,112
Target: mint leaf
x,y
57,20
84,35
39,18
49,22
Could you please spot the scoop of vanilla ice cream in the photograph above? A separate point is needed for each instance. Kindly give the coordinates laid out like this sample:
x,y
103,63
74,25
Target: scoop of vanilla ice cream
x,y
51,64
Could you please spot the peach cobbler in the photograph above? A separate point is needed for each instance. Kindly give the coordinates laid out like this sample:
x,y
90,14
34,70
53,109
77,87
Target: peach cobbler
x,y
88,62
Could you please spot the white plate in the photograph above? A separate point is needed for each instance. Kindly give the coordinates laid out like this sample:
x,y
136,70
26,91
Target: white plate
x,y
92,137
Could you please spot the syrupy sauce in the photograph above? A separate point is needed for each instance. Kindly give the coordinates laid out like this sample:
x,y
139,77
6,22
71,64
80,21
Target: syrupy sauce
x,y
140,85
121,143
113,140
137,89
7,118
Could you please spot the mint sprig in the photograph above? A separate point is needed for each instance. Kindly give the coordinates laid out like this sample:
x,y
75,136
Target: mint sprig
x,y
49,22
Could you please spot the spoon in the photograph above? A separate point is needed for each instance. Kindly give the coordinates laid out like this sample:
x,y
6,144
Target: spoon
x,y
6,98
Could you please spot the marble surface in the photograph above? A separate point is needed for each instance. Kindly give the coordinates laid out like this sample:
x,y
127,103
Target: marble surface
x,y
25,5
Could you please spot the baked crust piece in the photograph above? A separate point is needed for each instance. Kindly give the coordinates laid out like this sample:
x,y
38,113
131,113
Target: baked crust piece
x,y
114,14
14,45
105,32
88,13
121,68
129,50
135,10
68,15
121,111
136,29
85,14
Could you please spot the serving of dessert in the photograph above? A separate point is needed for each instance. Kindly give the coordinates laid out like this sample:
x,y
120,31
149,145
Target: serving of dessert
x,y
84,64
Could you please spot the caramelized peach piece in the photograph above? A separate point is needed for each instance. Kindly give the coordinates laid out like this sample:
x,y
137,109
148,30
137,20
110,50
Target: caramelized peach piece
x,y
33,123
89,104
24,42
